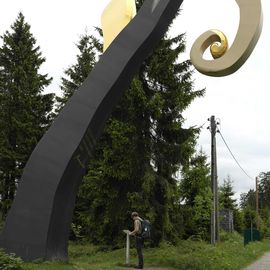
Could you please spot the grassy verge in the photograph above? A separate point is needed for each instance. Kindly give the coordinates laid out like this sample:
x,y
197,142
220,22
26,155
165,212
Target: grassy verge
x,y
228,255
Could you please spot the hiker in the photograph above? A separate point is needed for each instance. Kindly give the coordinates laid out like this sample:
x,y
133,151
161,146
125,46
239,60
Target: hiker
x,y
139,240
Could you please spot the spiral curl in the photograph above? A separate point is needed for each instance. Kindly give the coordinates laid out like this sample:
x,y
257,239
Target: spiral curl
x,y
228,60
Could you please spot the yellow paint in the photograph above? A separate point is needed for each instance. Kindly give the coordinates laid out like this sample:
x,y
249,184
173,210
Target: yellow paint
x,y
115,18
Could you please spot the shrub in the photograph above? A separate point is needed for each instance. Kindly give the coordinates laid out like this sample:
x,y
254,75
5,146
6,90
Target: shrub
x,y
230,236
9,262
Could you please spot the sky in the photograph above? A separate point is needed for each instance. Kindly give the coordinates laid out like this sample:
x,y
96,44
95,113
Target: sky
x,y
240,101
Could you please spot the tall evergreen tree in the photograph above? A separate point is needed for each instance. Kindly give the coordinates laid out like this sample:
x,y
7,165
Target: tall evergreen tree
x,y
89,48
226,194
25,112
227,201
248,205
264,190
248,200
144,144
264,203
248,208
195,189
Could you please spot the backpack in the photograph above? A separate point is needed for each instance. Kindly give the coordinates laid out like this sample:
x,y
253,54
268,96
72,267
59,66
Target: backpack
x,y
146,229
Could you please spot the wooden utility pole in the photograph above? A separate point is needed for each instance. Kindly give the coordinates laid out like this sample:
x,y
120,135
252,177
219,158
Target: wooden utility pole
x,y
214,183
257,203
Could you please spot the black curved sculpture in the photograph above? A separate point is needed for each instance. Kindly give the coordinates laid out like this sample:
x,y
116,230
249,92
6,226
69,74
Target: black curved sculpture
x,y
38,223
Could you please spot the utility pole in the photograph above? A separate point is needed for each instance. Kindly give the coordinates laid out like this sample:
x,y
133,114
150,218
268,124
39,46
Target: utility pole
x,y
257,203
214,183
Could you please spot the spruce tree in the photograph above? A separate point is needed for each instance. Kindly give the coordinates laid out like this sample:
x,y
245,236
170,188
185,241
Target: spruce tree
x,y
264,189
226,194
195,189
248,204
143,145
248,200
227,201
89,50
25,112
88,47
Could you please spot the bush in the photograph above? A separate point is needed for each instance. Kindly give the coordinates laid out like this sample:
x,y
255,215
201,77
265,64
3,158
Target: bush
x,y
9,262
230,236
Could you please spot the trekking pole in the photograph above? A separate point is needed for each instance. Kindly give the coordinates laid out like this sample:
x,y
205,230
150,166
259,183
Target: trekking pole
x,y
127,248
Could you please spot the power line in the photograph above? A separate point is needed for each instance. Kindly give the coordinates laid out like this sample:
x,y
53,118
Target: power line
x,y
201,126
234,156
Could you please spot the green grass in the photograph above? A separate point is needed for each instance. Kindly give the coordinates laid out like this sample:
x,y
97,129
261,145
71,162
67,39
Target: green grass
x,y
228,255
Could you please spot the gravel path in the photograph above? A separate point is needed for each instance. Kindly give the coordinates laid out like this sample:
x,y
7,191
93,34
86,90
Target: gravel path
x,y
262,264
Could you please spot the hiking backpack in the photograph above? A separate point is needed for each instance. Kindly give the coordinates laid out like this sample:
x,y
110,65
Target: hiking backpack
x,y
146,229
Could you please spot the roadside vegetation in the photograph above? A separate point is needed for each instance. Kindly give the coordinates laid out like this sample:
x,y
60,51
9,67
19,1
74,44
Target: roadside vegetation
x,y
229,254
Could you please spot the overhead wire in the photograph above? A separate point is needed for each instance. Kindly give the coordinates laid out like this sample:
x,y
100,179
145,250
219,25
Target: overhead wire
x,y
201,126
233,155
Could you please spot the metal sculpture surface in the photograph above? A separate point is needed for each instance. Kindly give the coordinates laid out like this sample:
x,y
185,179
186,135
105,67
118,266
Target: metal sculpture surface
x,y
39,220
229,61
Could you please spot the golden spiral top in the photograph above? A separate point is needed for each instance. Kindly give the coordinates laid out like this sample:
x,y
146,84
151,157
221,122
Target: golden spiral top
x,y
218,49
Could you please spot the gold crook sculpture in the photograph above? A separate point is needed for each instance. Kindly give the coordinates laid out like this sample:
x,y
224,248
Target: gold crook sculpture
x,y
227,61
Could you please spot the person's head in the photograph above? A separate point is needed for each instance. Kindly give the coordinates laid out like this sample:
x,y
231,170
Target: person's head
x,y
134,215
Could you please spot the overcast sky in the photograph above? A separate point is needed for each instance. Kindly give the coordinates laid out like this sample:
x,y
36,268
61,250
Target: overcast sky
x,y
240,101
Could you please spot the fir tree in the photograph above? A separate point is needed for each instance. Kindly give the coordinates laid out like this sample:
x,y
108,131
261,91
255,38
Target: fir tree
x,y
25,113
